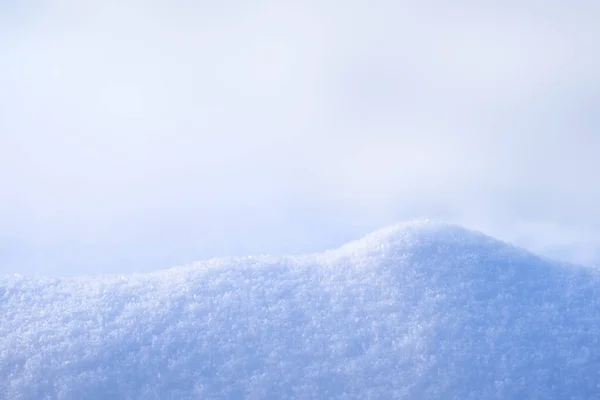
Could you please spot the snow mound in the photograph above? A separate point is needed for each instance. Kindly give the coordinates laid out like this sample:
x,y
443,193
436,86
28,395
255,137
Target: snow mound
x,y
416,311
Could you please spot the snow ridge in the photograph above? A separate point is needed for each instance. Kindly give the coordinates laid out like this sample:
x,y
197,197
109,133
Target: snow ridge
x,y
418,310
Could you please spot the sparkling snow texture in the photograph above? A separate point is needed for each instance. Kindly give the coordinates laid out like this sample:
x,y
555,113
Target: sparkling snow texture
x,y
416,311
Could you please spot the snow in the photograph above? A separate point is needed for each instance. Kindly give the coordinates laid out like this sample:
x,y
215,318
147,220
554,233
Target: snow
x,y
421,310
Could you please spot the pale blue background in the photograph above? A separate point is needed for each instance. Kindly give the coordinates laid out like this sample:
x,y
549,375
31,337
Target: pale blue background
x,y
139,135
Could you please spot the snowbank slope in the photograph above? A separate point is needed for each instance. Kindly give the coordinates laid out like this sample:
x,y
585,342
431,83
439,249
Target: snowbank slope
x,y
418,311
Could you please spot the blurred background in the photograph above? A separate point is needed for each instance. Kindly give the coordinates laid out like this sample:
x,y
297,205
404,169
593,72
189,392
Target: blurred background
x,y
136,136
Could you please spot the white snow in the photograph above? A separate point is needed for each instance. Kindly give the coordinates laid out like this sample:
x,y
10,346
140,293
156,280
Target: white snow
x,y
417,311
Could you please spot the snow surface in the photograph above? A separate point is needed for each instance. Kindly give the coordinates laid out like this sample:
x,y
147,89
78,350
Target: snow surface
x,y
417,311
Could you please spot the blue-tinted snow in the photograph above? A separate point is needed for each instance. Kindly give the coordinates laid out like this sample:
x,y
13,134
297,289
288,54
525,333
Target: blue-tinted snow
x,y
416,311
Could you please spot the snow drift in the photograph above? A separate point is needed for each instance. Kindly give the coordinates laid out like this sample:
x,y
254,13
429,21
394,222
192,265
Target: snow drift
x,y
416,311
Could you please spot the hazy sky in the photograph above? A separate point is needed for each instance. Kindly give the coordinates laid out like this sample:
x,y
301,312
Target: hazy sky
x,y
137,135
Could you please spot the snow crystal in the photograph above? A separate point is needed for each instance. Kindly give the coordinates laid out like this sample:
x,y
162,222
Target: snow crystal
x,y
418,311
